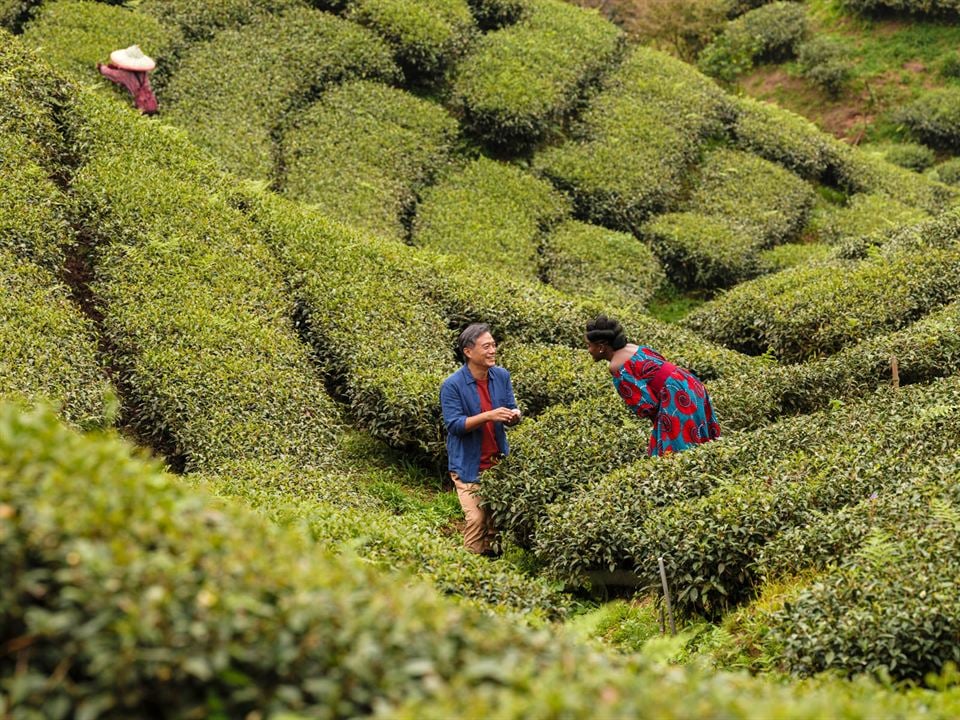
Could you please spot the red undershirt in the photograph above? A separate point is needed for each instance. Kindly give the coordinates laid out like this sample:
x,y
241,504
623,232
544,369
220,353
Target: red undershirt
x,y
489,450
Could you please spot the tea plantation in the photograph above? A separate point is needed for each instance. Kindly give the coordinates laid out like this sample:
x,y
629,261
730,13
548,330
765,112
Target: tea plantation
x,y
223,330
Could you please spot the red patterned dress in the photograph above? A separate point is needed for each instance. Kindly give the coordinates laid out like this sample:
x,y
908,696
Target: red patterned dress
x,y
669,395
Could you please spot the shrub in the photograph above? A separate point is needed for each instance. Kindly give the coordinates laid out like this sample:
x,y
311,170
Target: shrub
x,y
194,306
867,214
769,33
636,140
362,153
824,61
933,118
519,83
427,36
276,63
604,265
790,255
201,20
816,310
948,171
74,35
13,13
911,156
930,8
49,350
491,214
681,28
495,14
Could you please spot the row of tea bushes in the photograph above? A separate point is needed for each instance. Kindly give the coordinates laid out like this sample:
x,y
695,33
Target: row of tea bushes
x,y
74,35
341,517
194,306
606,266
199,21
275,65
933,118
495,14
363,151
739,205
711,531
492,214
818,309
865,214
249,617
520,83
635,141
928,8
49,350
890,607
384,344
427,36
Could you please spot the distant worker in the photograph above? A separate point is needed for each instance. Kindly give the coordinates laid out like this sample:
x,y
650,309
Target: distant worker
x,y
477,401
130,67
672,397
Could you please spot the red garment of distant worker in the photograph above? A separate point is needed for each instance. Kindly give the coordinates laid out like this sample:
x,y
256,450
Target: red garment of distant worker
x,y
129,67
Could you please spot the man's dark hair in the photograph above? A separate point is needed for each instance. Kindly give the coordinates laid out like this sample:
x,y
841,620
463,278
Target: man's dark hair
x,y
468,338
606,330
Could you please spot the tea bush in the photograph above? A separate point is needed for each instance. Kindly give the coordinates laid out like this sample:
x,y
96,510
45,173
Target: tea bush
x,y
636,140
771,32
866,214
891,607
826,63
491,214
363,151
95,539
933,118
48,349
277,64
74,35
948,171
739,204
194,306
201,20
427,36
519,83
911,156
929,8
14,12
816,310
604,265
495,14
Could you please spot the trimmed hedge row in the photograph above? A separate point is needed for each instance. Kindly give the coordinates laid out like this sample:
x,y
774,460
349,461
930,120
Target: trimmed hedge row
x,y
427,36
201,20
495,14
771,32
866,214
247,617
933,118
363,152
892,606
341,517
636,140
818,309
276,64
739,205
604,265
929,8
74,35
520,83
710,514
193,302
491,214
47,347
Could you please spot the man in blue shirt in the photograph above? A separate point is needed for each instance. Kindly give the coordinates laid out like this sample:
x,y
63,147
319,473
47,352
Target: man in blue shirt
x,y
477,401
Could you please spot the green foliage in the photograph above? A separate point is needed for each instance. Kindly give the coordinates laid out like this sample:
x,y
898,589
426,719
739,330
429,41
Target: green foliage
x,y
815,310
74,35
867,214
636,140
739,205
494,14
519,83
201,20
427,36
930,8
363,151
911,156
934,118
604,265
276,64
825,62
545,375
790,255
491,214
770,32
948,171
48,347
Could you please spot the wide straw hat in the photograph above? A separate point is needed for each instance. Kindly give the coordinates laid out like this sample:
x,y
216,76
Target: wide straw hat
x,y
132,58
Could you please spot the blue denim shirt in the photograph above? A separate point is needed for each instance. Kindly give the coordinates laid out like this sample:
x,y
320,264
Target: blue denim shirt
x,y
459,399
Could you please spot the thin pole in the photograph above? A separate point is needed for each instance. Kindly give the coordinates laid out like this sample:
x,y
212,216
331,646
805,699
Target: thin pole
x,y
895,371
666,596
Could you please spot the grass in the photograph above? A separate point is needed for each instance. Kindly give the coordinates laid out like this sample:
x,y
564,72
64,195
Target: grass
x,y
672,304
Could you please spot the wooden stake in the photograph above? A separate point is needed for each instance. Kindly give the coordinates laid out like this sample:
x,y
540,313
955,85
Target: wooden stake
x,y
895,371
666,596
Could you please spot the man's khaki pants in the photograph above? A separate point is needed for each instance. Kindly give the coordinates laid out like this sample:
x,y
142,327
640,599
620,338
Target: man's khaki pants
x,y
479,533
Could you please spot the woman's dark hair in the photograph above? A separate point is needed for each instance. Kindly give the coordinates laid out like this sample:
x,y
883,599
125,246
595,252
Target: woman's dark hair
x,y
606,330
468,338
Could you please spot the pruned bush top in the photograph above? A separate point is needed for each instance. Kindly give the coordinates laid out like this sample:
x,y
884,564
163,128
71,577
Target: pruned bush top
x,y
275,65
363,151
934,118
930,8
200,20
636,140
490,213
519,83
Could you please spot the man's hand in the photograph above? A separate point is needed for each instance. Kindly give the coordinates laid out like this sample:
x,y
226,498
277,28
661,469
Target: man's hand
x,y
504,415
